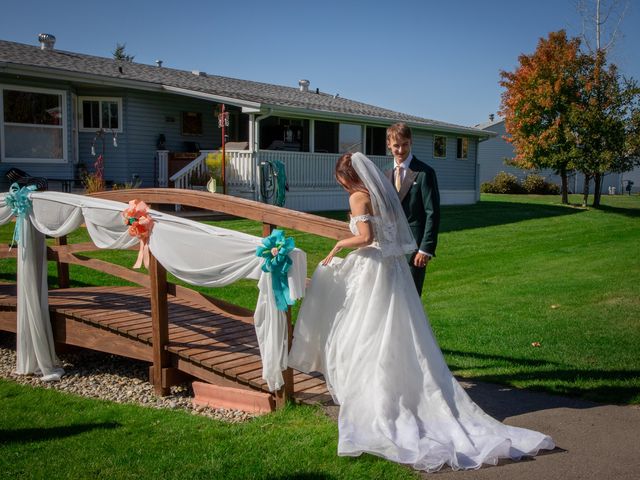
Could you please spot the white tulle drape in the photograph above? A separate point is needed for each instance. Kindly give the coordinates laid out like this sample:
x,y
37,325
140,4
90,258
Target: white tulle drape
x,y
195,253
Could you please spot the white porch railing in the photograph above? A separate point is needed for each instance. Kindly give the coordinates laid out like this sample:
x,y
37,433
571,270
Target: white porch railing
x,y
310,176
313,170
239,172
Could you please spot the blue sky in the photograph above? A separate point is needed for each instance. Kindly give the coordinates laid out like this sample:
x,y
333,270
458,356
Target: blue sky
x,y
434,59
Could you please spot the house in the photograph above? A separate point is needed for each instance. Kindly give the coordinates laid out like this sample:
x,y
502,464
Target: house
x,y
61,110
493,154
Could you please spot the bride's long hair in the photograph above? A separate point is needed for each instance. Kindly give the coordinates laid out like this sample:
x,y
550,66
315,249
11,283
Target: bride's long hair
x,y
347,176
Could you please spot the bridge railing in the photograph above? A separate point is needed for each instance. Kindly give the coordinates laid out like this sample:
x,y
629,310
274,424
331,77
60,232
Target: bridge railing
x,y
270,216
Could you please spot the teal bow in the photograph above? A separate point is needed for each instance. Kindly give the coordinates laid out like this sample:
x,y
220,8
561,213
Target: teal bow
x,y
275,251
20,203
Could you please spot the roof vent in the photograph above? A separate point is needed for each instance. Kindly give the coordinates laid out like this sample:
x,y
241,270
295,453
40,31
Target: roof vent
x,y
304,85
159,63
47,41
199,73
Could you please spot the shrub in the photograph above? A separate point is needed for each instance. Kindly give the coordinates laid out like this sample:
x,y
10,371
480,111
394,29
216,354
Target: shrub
x,y
507,183
486,187
93,183
503,183
536,184
553,189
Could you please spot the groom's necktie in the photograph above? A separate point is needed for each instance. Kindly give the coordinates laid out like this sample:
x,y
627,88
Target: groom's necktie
x,y
398,179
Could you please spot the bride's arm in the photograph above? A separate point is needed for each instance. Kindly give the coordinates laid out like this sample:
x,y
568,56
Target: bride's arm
x,y
360,204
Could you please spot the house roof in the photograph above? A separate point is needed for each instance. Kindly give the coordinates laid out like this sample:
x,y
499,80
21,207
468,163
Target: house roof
x,y
257,96
489,124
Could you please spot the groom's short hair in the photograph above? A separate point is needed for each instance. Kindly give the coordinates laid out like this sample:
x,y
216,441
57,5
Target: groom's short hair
x,y
399,129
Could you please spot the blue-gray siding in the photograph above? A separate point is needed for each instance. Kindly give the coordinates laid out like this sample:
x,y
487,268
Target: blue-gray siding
x,y
452,173
493,152
145,117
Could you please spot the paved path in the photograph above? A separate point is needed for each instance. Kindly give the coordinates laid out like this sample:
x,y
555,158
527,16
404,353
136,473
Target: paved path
x,y
594,441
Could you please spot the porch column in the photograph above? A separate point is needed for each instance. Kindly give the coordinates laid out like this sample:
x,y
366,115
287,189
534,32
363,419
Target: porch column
x,y
252,132
312,135
163,168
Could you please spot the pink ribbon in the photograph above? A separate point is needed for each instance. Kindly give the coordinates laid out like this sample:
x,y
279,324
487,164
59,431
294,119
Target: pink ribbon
x,y
140,223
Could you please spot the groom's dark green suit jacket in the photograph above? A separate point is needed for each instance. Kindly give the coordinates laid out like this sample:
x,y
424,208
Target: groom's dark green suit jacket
x,y
420,200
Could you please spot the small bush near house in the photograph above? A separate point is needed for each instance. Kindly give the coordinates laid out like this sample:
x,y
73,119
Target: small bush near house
x,y
536,184
93,183
127,185
502,183
508,183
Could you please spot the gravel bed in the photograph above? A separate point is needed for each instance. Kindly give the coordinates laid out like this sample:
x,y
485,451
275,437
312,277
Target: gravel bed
x,y
110,377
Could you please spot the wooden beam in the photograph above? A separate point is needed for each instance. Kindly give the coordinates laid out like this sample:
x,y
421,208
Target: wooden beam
x,y
240,207
9,321
159,321
63,267
71,332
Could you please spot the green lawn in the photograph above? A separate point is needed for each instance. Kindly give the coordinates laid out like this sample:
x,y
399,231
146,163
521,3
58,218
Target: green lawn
x,y
514,270
47,434
510,271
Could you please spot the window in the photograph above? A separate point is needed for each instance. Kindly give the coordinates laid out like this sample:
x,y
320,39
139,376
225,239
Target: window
x,y
439,146
331,137
100,112
350,138
281,133
33,124
191,123
376,141
326,137
462,147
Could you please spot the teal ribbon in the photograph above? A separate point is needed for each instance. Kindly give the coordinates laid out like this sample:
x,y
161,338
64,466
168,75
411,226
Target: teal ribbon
x,y
20,204
281,183
275,251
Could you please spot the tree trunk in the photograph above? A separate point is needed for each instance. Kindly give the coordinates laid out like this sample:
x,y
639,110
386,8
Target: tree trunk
x,y
585,190
565,186
597,189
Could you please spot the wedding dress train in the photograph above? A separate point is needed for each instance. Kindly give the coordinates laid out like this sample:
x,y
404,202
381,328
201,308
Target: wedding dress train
x,y
363,326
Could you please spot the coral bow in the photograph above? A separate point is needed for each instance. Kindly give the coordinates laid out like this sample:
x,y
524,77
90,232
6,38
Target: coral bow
x,y
140,225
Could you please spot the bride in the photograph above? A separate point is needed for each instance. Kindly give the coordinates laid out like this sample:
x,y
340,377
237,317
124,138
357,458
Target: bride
x,y
363,326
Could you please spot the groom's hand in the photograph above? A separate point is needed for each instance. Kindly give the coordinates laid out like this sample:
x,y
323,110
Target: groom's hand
x,y
421,260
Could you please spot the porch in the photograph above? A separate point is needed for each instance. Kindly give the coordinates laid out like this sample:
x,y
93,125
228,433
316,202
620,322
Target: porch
x,y
310,176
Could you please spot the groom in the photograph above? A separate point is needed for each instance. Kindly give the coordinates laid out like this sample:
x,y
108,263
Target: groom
x,y
417,186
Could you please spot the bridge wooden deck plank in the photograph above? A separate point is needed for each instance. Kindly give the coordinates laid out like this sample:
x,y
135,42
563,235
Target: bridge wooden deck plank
x,y
198,334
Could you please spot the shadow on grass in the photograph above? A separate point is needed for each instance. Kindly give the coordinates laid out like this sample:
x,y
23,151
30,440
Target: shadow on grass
x,y
627,212
485,214
561,385
28,435
490,213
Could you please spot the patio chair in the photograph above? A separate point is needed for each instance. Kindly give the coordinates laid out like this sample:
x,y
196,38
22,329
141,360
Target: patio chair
x,y
22,178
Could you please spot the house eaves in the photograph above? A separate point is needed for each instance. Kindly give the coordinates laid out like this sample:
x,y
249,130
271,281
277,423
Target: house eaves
x,y
212,97
93,79
377,120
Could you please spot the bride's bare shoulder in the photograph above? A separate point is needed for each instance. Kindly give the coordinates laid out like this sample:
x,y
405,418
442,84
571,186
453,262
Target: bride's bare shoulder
x,y
360,202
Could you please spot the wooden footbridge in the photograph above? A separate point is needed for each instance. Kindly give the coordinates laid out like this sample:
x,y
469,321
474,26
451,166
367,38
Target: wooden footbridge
x,y
182,333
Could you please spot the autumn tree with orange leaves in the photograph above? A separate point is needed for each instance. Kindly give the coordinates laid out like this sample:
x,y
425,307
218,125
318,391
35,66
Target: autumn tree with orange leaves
x,y
537,106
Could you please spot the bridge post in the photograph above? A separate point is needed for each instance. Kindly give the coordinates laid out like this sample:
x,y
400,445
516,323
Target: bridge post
x,y
63,267
160,323
286,392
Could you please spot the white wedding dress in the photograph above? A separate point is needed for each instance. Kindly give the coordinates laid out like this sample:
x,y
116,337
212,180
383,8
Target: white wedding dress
x,y
363,326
